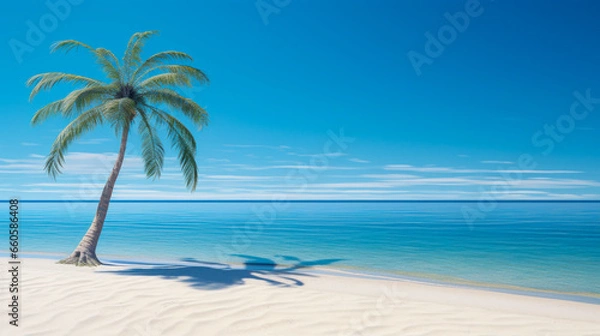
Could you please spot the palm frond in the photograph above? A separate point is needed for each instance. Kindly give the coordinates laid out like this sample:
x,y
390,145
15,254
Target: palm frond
x,y
134,48
165,79
119,112
47,111
108,61
152,149
80,99
174,100
83,123
157,59
190,71
110,64
68,45
185,144
137,92
46,81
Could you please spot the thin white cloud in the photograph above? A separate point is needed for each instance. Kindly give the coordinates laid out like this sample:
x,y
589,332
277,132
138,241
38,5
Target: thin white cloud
x,y
236,177
406,167
357,160
85,174
535,183
390,176
29,144
317,166
334,154
215,160
76,163
497,162
280,147
97,141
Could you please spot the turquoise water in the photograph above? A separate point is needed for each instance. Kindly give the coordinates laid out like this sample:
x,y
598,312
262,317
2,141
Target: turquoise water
x,y
544,246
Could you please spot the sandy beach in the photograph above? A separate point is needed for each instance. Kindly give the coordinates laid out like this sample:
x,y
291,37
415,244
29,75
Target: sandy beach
x,y
200,299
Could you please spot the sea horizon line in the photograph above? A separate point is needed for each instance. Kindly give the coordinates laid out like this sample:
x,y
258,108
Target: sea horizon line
x,y
304,201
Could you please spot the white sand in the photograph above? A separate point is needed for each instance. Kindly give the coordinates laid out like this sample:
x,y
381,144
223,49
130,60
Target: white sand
x,y
198,300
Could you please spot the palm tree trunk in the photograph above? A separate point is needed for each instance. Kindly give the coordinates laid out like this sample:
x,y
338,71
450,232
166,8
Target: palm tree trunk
x,y
85,253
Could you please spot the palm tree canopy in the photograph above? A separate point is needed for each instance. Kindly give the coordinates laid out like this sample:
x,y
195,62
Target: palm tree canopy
x,y
142,92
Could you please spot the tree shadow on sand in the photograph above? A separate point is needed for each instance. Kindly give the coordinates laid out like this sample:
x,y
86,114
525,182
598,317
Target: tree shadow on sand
x,y
207,275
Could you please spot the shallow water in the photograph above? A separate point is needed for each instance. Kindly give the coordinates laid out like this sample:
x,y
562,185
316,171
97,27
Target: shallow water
x,y
544,246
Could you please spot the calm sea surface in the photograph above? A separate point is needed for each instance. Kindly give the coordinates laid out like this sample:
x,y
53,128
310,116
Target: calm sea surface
x,y
544,246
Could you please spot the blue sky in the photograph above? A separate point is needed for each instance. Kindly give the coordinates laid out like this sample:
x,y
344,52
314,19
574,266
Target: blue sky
x,y
492,111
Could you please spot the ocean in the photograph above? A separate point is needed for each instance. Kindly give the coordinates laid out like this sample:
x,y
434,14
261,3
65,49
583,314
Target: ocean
x,y
545,247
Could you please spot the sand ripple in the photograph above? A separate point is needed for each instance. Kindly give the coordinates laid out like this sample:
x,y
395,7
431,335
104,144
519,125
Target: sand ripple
x,y
116,300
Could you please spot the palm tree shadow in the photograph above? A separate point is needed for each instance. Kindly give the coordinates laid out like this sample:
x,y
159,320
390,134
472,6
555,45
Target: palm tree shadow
x,y
212,276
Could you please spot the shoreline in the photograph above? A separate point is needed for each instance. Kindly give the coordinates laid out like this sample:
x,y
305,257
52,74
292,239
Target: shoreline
x,y
150,299
353,272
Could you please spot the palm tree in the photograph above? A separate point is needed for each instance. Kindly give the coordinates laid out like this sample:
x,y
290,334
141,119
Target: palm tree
x,y
138,93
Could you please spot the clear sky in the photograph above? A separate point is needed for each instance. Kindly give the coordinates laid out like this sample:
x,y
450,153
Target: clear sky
x,y
484,109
